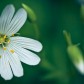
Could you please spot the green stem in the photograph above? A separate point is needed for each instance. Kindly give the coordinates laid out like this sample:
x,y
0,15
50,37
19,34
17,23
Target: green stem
x,y
82,10
67,37
36,30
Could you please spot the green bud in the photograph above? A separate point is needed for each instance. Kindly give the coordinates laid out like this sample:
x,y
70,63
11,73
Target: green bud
x,y
31,14
76,56
74,52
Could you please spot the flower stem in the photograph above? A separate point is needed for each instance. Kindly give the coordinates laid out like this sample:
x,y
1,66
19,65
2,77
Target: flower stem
x,y
36,30
67,37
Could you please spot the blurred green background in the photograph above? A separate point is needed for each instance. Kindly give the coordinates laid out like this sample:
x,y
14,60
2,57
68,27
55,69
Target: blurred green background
x,y
53,16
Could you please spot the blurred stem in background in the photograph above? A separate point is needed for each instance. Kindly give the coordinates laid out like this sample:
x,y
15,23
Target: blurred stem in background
x,y
32,19
67,37
82,11
36,30
82,8
75,53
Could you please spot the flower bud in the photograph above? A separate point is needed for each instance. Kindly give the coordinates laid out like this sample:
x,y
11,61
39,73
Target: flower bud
x,y
76,56
31,14
74,52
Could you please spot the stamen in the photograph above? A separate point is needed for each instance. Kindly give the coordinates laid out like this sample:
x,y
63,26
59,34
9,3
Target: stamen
x,y
4,48
12,51
4,41
4,36
13,35
8,41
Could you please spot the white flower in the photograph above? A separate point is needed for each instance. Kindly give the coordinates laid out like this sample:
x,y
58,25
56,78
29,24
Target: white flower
x,y
15,49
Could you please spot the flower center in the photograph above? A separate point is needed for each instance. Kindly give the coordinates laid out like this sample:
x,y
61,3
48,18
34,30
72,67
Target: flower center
x,y
4,40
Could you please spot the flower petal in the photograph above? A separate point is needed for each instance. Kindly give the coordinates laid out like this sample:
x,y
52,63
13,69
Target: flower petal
x,y
6,72
80,66
27,43
17,22
15,63
6,18
26,56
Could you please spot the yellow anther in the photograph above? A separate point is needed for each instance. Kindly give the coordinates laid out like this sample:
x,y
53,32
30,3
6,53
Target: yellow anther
x,y
12,51
8,41
4,48
12,34
4,36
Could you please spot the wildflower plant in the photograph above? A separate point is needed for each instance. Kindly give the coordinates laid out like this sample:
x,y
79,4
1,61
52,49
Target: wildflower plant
x,y
15,49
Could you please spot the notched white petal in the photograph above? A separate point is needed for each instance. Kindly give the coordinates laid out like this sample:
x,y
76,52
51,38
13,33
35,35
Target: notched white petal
x,y
15,64
26,56
17,22
27,43
6,18
6,72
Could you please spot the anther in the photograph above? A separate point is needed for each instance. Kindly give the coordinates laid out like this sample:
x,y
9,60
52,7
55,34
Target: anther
x,y
4,36
12,34
12,51
4,48
8,41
